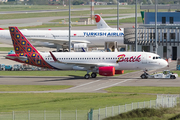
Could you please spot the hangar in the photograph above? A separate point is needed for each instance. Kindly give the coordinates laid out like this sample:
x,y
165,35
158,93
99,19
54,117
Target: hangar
x,y
168,29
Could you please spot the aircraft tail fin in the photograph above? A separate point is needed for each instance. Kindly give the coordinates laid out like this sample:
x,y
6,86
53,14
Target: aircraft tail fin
x,y
1,29
25,52
100,22
20,43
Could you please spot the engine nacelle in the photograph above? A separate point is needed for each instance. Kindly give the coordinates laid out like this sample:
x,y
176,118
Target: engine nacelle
x,y
107,71
119,71
78,47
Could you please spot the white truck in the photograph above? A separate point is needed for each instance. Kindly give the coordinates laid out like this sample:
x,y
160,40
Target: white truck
x,y
165,74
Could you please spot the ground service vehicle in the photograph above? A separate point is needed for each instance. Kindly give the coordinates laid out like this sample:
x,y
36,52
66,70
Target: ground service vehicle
x,y
165,74
17,67
8,67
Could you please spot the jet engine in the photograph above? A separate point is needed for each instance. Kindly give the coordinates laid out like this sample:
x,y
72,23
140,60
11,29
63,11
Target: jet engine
x,y
119,71
107,71
78,47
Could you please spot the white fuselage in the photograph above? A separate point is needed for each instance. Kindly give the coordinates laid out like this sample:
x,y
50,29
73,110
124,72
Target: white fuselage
x,y
96,38
144,62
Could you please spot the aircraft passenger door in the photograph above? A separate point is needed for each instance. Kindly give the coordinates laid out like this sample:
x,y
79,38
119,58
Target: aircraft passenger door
x,y
144,59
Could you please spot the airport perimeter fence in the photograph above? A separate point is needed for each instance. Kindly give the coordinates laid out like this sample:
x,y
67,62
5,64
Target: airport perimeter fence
x,y
99,114
161,101
45,115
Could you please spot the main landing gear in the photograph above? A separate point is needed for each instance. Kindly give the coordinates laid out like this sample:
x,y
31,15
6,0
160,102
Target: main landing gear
x,y
93,75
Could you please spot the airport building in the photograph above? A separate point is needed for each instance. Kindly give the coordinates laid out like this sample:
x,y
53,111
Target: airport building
x,y
168,29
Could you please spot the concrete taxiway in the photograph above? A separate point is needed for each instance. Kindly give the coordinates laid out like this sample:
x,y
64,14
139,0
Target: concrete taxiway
x,y
91,85
59,10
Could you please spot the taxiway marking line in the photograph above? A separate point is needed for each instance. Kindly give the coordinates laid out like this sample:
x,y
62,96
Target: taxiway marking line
x,y
113,84
83,85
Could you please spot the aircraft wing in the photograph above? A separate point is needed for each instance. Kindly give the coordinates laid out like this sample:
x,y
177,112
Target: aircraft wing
x,y
81,64
56,41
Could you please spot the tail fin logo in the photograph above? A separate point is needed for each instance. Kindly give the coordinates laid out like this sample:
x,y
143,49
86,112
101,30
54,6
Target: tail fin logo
x,y
12,29
97,18
24,48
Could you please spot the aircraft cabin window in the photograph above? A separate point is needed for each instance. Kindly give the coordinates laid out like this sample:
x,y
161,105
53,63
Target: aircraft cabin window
x,y
153,57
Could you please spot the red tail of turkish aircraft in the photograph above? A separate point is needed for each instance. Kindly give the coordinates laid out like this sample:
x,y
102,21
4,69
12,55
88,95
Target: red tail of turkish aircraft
x,y
25,51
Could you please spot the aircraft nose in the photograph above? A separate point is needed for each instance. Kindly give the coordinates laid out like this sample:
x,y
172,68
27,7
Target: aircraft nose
x,y
165,63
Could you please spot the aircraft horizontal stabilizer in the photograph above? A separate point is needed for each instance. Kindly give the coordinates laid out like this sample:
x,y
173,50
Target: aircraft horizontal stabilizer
x,y
14,56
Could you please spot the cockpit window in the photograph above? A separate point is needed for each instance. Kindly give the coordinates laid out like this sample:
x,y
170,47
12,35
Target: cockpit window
x,y
156,57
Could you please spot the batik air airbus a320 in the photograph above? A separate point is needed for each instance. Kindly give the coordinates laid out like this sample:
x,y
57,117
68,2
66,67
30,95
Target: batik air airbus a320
x,y
102,63
60,38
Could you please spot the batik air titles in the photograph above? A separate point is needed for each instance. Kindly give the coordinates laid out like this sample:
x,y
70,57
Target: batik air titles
x,y
57,38
102,63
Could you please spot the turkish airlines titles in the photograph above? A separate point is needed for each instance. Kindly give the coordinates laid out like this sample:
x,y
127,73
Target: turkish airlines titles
x,y
103,34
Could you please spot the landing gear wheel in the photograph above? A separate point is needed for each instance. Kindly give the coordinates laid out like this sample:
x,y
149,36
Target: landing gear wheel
x,y
93,75
143,76
87,76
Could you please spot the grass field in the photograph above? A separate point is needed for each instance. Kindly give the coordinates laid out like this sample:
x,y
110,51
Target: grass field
x,y
48,7
6,48
65,13
147,89
66,101
126,20
49,26
72,101
149,114
77,19
32,87
52,7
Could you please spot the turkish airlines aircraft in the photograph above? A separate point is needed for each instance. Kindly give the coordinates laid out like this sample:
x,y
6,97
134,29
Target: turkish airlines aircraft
x,y
60,38
103,63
